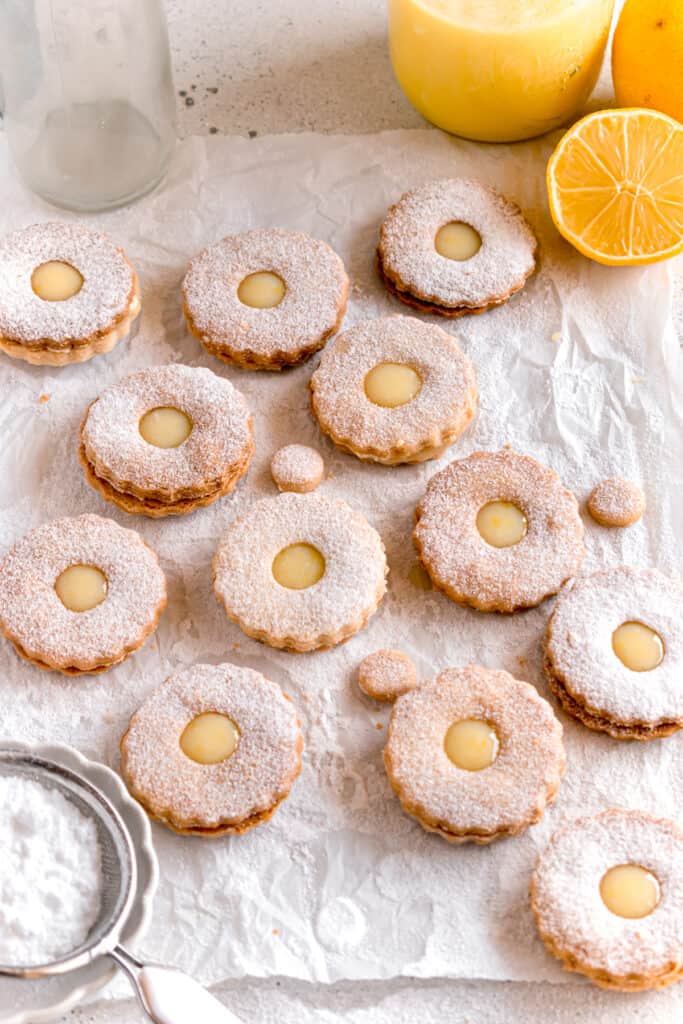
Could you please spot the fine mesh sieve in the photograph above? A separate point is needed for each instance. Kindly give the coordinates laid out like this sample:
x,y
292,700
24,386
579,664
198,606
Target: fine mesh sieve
x,y
168,996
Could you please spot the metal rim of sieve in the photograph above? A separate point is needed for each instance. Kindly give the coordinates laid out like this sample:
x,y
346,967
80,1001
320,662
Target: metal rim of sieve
x,y
119,865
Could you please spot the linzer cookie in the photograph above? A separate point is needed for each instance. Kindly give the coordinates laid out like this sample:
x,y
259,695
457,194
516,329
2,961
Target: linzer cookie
x,y
213,751
498,531
474,755
614,652
166,440
265,299
454,247
616,502
78,595
607,895
394,390
300,572
296,467
385,675
66,293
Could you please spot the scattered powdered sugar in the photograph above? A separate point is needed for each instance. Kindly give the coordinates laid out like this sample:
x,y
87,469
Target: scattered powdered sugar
x,y
506,258
616,502
513,791
441,410
108,282
350,589
386,674
221,431
468,569
50,873
296,467
580,652
32,615
571,916
256,776
316,289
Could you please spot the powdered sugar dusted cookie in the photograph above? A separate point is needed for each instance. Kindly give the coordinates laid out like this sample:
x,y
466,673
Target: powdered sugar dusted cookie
x,y
474,754
607,895
498,531
394,390
385,675
296,467
167,440
265,299
67,293
78,595
616,502
215,750
455,246
614,652
300,572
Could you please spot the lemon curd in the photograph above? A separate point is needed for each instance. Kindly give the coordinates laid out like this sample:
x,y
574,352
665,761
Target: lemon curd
x,y
498,70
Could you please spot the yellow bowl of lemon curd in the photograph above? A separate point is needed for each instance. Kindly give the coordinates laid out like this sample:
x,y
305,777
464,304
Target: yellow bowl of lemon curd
x,y
498,70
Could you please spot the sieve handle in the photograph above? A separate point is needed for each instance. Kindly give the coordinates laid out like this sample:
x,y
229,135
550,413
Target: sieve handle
x,y
170,997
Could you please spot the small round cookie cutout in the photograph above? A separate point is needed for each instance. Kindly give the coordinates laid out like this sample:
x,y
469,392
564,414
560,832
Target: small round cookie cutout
x,y
213,751
300,572
67,293
455,246
607,896
474,754
265,299
386,675
616,502
394,390
498,531
296,467
166,440
78,595
614,652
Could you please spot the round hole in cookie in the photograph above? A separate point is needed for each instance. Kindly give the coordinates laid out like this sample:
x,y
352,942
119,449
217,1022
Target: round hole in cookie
x,y
501,524
637,646
457,241
56,281
298,566
472,744
81,587
165,427
210,738
629,890
262,290
392,384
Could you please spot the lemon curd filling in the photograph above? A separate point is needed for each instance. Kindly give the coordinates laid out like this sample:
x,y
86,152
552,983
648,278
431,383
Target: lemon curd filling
x,y
501,524
262,290
472,744
457,241
81,587
165,427
392,384
298,566
210,738
637,646
628,890
55,281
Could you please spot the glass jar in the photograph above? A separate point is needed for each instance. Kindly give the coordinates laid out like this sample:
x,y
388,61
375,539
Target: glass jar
x,y
89,105
498,70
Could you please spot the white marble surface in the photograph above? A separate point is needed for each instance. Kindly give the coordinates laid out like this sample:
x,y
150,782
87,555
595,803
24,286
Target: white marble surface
x,y
271,66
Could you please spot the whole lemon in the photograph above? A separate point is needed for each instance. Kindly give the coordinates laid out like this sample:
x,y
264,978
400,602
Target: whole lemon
x,y
647,56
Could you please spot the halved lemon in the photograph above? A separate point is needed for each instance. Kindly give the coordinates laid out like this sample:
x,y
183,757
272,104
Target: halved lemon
x,y
615,186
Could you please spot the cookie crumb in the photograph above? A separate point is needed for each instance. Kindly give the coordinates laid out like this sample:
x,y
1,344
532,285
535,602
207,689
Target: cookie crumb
x,y
616,502
296,467
386,675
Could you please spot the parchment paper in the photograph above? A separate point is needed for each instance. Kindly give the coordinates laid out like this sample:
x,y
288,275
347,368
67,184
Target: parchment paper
x,y
340,884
